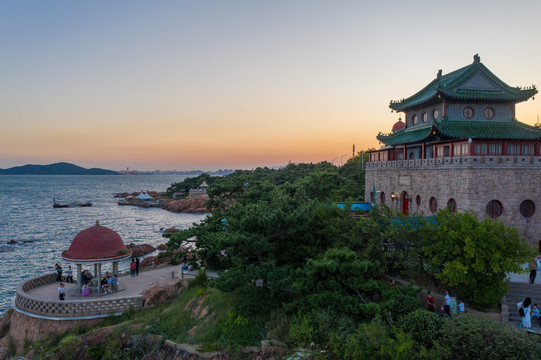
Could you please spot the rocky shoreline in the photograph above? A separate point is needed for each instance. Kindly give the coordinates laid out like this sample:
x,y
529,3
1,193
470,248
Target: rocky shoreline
x,y
194,203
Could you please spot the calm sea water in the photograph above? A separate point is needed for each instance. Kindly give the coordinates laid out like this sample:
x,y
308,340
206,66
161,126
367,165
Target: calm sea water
x,y
26,213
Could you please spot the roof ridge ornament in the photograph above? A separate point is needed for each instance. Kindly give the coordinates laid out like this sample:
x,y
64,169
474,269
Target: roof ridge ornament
x,y
476,58
439,74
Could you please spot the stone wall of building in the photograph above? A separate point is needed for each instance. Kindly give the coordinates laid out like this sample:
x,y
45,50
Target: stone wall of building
x,y
471,181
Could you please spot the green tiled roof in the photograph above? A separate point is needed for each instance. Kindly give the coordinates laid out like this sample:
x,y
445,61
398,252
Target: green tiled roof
x,y
488,130
406,136
448,129
446,87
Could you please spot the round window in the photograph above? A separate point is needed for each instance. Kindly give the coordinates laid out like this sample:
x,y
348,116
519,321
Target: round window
x,y
527,208
435,114
468,112
489,113
425,117
415,119
433,203
451,204
494,209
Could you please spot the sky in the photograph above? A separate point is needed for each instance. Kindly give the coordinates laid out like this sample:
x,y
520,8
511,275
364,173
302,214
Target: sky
x,y
236,84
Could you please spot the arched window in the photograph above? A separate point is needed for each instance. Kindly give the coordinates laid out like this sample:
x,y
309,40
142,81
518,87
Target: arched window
x,y
433,203
451,204
382,197
527,208
494,209
371,197
418,200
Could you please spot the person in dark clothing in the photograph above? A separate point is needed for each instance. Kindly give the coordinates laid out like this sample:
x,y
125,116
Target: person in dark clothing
x,y
137,267
58,269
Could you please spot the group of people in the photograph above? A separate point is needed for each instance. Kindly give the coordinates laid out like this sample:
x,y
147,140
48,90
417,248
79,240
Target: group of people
x,y
451,304
59,271
134,267
527,311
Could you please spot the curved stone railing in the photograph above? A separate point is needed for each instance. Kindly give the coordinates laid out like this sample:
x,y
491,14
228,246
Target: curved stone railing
x,y
461,162
69,308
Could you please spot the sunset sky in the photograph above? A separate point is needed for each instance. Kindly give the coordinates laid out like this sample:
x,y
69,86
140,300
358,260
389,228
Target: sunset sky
x,y
236,84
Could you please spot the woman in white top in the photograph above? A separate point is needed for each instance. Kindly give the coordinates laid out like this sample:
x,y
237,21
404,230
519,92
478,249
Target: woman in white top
x,y
526,320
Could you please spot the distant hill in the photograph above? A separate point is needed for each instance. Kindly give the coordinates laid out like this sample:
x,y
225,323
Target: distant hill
x,y
61,168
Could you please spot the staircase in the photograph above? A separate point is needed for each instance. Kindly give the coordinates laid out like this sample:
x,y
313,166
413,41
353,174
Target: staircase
x,y
518,291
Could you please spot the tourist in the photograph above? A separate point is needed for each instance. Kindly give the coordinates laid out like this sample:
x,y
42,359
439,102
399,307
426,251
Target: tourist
x,y
524,311
392,283
535,313
114,283
58,269
461,306
61,292
69,277
446,301
430,302
533,270
453,305
104,284
137,267
85,291
132,267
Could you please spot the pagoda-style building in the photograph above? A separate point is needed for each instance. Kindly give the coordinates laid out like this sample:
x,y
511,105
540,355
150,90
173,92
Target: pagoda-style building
x,y
460,145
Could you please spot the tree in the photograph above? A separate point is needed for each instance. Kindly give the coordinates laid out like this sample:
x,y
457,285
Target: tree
x,y
475,256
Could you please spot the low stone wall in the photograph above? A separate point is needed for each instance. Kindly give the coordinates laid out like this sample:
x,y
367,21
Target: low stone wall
x,y
69,308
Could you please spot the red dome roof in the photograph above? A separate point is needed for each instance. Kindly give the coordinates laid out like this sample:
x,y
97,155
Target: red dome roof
x,y
399,125
96,243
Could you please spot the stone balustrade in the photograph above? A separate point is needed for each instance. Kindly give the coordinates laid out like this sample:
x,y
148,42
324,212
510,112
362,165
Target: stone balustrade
x,y
461,162
69,308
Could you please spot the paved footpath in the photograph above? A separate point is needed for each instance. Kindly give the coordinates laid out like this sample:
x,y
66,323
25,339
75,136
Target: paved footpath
x,y
128,285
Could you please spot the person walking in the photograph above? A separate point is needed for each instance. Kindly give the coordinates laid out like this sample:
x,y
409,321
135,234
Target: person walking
x,y
453,305
524,310
132,267
446,302
137,263
430,302
532,265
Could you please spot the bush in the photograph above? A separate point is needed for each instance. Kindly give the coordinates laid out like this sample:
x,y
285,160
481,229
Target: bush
x,y
473,337
399,301
425,327
201,280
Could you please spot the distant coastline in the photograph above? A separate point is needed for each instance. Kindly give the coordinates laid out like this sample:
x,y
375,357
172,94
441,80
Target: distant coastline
x,y
61,168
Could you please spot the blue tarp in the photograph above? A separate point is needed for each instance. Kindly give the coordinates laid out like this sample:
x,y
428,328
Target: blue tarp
x,y
364,206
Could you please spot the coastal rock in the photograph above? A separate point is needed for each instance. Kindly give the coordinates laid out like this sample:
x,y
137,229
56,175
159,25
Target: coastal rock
x,y
161,247
140,250
161,291
171,230
147,262
194,203
12,242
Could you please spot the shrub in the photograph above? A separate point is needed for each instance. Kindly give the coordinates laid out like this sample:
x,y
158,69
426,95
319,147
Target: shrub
x,y
201,280
425,327
399,301
473,337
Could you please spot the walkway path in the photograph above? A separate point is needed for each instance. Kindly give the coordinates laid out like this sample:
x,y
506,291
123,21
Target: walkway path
x,y
129,286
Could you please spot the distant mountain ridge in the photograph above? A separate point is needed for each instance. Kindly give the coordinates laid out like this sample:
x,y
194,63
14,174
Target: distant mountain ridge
x,y
61,168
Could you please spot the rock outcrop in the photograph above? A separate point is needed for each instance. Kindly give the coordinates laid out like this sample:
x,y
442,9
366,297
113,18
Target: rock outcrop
x,y
164,290
147,262
194,203
140,250
161,247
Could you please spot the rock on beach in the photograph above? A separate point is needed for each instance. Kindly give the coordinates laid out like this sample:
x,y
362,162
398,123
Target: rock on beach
x,y
140,250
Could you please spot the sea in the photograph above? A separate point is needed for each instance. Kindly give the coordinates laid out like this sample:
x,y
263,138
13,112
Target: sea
x,y
42,233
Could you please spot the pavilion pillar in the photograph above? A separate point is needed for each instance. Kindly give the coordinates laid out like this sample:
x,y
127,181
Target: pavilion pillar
x,y
95,270
115,268
79,277
99,277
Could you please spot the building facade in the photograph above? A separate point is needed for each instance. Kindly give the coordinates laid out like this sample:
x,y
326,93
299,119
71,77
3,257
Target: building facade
x,y
461,146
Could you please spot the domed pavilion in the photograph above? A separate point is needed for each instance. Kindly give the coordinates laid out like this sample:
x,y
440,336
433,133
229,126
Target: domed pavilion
x,y
96,245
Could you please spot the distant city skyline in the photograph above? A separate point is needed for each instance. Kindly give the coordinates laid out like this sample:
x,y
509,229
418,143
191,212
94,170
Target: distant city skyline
x,y
236,84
